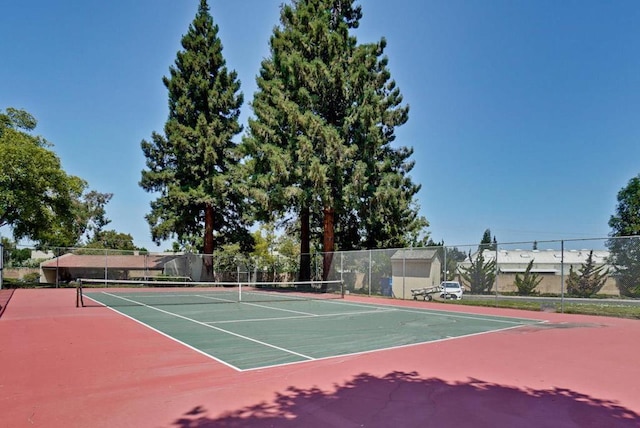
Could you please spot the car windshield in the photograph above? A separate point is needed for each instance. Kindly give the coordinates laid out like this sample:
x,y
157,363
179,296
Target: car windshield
x,y
451,285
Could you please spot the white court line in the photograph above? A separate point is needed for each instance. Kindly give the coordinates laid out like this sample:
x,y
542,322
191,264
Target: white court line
x,y
338,314
388,348
173,296
443,313
213,327
435,312
218,299
278,309
199,351
520,322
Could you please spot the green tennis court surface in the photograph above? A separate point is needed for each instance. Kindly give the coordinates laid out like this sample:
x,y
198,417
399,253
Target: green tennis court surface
x,y
249,335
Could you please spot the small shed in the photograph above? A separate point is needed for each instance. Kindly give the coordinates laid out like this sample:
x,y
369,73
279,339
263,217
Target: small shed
x,y
415,268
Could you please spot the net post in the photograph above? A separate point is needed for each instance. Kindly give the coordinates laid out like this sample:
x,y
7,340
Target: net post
x,y
79,299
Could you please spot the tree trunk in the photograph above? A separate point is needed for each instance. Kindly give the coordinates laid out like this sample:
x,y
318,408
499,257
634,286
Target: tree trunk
x,y
328,242
305,249
208,240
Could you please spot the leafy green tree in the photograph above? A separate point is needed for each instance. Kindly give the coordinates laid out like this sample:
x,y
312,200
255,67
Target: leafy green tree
x,y
588,280
319,145
38,200
453,256
12,255
95,203
113,240
624,244
230,261
194,166
263,250
527,283
480,275
263,244
275,255
14,118
288,249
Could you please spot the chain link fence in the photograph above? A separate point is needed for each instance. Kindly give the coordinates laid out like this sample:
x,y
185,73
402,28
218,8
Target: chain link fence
x,y
586,268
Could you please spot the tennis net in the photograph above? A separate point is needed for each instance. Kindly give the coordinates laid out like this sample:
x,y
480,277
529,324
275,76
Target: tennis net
x,y
153,293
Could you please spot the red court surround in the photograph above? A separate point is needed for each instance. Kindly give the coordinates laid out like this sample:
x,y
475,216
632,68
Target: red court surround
x,y
62,366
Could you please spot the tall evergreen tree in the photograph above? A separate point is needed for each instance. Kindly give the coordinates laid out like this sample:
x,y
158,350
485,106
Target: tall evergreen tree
x,y
379,189
194,166
488,243
324,117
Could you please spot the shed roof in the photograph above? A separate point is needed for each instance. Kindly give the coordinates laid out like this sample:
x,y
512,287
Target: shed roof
x,y
154,262
415,254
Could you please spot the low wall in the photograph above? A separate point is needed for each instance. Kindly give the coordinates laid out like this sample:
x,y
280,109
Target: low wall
x,y
552,284
18,273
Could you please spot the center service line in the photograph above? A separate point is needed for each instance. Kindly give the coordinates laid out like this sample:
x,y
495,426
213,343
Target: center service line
x,y
213,327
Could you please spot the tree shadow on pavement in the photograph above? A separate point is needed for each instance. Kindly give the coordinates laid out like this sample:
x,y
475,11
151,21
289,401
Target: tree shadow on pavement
x,y
401,399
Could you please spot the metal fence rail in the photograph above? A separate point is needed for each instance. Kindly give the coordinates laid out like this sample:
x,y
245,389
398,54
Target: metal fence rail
x,y
603,267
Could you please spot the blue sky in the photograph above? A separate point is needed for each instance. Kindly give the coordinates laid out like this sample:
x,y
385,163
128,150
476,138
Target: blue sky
x,y
524,114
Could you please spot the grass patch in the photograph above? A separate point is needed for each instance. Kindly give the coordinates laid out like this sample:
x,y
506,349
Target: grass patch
x,y
599,307
604,309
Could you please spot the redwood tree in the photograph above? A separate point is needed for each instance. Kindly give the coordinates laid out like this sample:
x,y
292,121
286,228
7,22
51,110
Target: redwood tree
x,y
193,167
297,149
319,147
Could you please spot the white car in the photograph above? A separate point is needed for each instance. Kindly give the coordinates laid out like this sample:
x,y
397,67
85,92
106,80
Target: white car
x,y
451,290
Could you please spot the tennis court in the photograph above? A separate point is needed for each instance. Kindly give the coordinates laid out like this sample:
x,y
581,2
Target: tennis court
x,y
265,329
68,366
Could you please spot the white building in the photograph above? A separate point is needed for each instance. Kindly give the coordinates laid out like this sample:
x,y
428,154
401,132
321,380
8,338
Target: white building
x,y
552,265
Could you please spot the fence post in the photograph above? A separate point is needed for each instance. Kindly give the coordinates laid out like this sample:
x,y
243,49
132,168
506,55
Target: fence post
x,y
370,261
404,271
444,267
57,267
562,276
1,262
496,276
